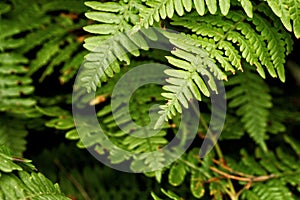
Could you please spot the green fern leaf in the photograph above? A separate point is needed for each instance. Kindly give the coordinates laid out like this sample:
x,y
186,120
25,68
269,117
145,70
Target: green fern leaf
x,y
294,144
270,190
6,161
200,7
192,44
107,6
275,45
247,5
4,8
156,10
41,35
185,85
12,58
294,10
68,70
22,185
287,11
130,137
218,32
179,7
14,86
212,6
148,162
232,129
277,172
250,97
224,6
13,128
113,43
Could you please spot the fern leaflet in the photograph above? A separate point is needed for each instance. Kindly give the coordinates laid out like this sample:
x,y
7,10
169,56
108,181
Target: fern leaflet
x,y
250,97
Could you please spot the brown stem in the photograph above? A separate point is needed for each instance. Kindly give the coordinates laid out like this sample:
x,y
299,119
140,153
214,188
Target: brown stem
x,y
224,166
246,179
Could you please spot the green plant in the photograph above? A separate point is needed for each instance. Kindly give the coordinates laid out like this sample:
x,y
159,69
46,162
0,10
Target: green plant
x,y
217,41
243,43
25,183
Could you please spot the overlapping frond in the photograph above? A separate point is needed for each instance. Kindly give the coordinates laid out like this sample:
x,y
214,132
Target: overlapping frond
x,y
133,132
131,137
54,44
187,83
250,96
113,41
217,41
17,183
231,38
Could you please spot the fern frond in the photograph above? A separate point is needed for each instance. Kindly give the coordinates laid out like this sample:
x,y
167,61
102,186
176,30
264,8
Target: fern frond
x,y
251,98
119,128
44,55
103,62
263,8
275,45
229,39
34,185
68,71
267,191
194,46
13,128
155,10
267,175
282,169
248,7
191,168
70,5
24,185
62,119
186,83
16,85
5,7
293,144
113,42
130,138
289,13
55,43
7,162
58,47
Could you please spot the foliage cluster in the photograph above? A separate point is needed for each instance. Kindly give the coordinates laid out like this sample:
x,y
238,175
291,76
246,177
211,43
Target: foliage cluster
x,y
243,43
